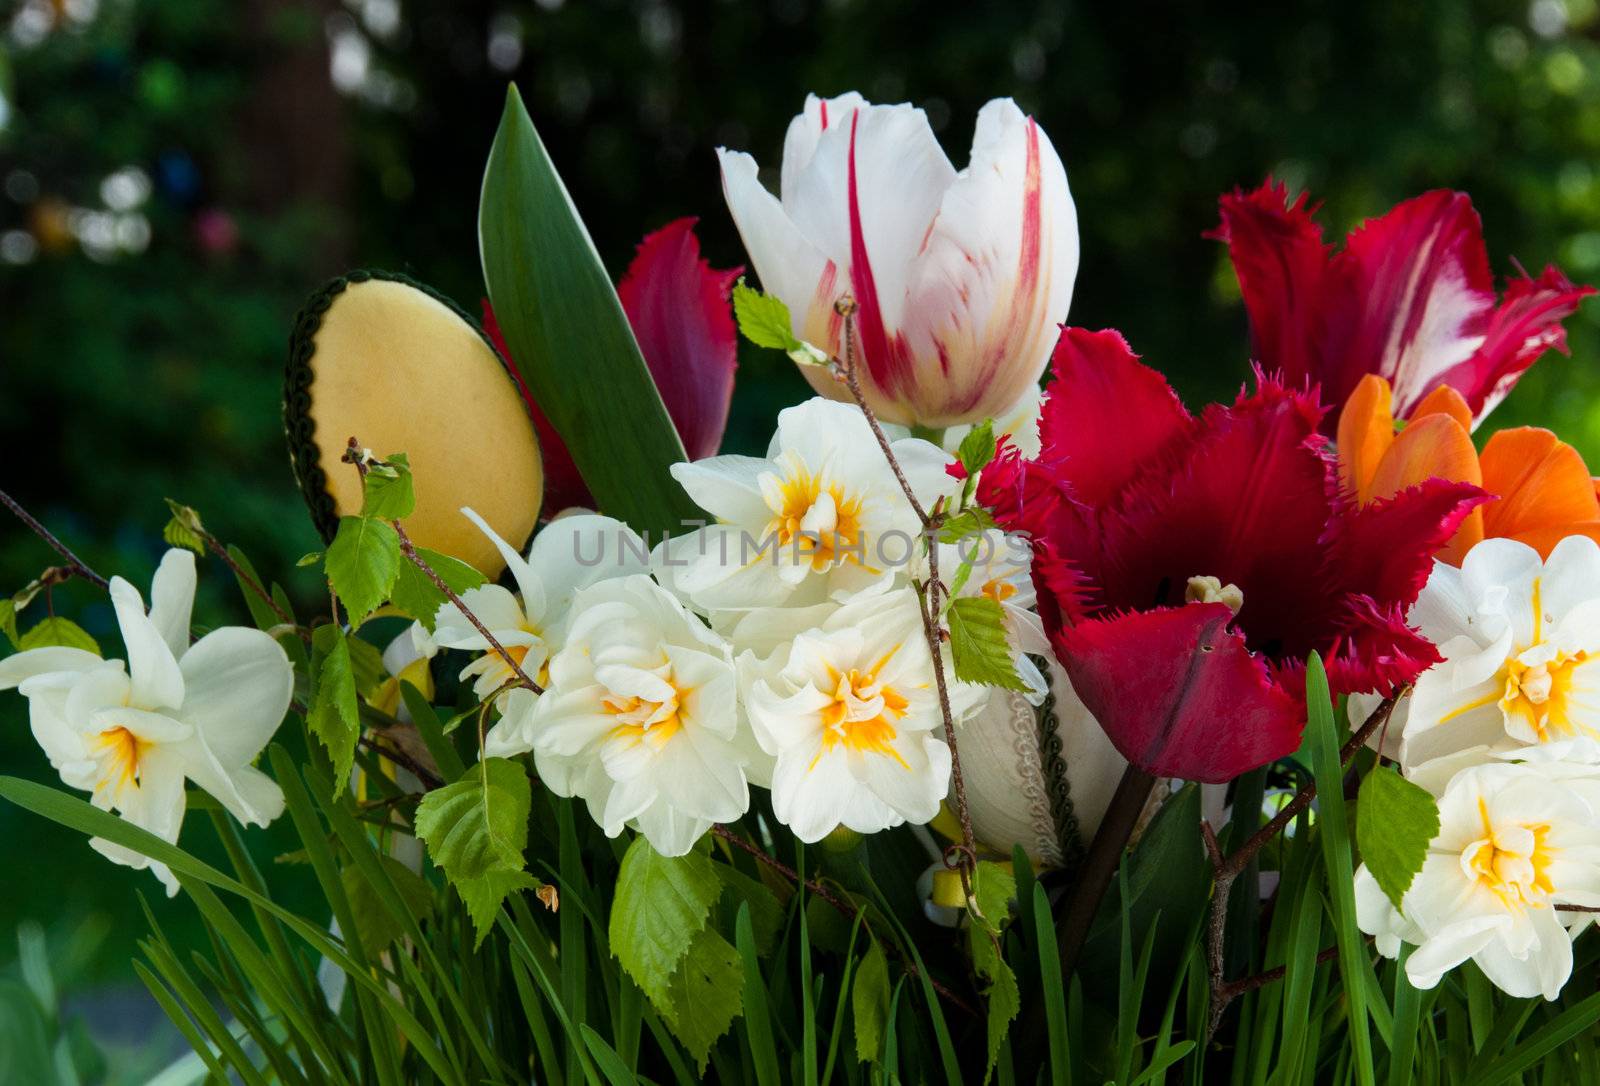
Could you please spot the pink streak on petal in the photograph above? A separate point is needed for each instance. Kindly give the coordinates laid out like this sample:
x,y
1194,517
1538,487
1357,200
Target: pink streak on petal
x,y
886,359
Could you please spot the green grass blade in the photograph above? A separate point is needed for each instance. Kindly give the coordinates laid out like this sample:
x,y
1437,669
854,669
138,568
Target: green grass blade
x,y
606,1058
1055,1000
1561,1029
757,1020
1335,838
1407,1019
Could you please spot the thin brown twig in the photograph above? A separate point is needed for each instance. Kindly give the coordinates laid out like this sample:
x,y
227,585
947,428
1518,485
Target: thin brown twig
x,y
214,545
353,455
1236,861
845,909
402,759
927,595
1236,988
75,565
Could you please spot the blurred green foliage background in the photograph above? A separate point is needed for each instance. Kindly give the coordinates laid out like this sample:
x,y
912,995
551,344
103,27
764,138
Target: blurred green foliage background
x,y
177,175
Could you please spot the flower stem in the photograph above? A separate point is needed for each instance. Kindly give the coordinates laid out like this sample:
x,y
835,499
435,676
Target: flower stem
x,y
927,595
1227,868
354,454
75,565
1100,864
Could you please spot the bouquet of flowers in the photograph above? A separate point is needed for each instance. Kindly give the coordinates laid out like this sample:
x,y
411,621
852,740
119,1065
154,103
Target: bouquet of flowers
x,y
972,732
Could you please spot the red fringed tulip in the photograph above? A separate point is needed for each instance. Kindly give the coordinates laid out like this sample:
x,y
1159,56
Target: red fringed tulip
x,y
960,279
677,305
1410,298
1187,565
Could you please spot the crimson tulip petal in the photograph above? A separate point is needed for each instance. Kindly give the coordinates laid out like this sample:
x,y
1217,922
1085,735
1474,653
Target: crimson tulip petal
x,y
1385,549
678,306
1179,694
1281,261
1525,325
1108,413
1377,652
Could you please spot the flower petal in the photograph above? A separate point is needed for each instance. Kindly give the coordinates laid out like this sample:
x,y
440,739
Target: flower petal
x,y
172,598
678,307
238,683
1542,483
1106,415
1514,335
1366,431
1179,694
153,669
1282,264
993,281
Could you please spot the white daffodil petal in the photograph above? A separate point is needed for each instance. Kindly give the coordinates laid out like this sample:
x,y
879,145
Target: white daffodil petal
x,y
239,684
172,598
152,668
20,667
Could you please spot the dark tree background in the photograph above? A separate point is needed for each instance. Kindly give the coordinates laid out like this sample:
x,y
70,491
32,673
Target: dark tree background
x,y
176,175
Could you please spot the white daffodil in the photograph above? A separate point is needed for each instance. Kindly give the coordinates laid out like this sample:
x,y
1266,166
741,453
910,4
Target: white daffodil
x,y
1001,570
1521,645
640,717
131,737
820,516
1515,840
849,712
567,555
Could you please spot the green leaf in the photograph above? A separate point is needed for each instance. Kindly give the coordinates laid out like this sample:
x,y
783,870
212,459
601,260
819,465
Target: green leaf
x,y
387,492
335,716
764,320
869,1003
661,904
561,316
705,994
994,887
971,521
56,631
977,448
362,563
475,830
378,925
184,529
310,558
1395,820
366,665
1001,993
414,592
8,620
978,645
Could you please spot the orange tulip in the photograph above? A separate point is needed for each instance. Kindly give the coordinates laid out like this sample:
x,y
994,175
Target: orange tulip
x,y
1543,489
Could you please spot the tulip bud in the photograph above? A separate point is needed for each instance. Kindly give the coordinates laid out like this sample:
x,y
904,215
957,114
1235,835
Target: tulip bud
x,y
960,280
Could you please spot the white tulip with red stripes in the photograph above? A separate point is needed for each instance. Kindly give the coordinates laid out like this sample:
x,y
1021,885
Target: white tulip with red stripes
x,y
960,279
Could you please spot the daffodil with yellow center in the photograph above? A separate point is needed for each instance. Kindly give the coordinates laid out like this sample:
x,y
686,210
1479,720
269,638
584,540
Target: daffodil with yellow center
x,y
641,717
820,517
863,712
566,555
1520,641
848,713
130,734
1514,841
